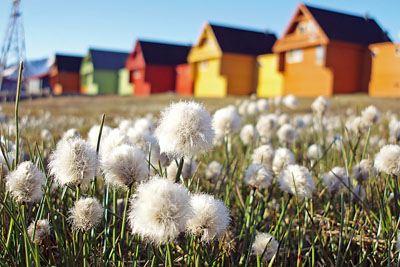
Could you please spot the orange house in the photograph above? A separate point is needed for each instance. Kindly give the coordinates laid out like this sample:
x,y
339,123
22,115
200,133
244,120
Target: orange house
x,y
64,75
385,74
184,79
323,52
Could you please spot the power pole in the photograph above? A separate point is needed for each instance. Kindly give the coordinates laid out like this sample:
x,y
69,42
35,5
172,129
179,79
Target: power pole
x,y
13,50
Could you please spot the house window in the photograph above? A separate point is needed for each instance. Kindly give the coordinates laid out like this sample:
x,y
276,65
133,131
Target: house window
x,y
320,55
203,65
294,56
136,74
397,51
374,52
302,27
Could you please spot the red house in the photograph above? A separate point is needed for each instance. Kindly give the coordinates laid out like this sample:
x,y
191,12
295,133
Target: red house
x,y
153,67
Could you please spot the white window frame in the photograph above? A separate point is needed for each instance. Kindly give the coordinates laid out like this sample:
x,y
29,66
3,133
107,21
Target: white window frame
x,y
320,55
294,56
203,65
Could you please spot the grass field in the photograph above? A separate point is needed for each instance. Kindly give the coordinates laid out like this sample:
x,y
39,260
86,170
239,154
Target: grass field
x,y
310,190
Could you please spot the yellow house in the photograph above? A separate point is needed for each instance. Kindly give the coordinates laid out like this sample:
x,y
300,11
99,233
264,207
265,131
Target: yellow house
x,y
224,60
270,79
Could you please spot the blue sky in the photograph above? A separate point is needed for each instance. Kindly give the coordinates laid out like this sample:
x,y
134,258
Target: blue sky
x,y
71,26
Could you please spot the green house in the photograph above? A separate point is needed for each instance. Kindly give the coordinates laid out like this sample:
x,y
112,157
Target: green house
x,y
103,72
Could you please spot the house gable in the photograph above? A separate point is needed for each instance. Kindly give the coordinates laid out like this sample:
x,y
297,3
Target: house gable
x,y
136,59
207,46
303,31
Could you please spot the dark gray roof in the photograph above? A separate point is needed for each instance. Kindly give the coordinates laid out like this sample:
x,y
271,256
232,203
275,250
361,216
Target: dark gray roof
x,y
108,60
240,41
163,53
68,63
348,28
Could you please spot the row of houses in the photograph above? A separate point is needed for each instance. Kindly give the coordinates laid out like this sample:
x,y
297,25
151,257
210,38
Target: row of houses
x,y
320,53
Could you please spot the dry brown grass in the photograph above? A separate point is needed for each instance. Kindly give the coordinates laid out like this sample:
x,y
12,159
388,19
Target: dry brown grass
x,y
92,107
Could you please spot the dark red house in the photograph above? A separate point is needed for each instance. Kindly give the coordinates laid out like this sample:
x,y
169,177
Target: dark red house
x,y
153,66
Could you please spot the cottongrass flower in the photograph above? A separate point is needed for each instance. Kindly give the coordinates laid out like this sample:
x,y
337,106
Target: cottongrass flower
x,y
277,101
314,152
262,105
287,134
320,105
86,214
259,176
252,109
394,129
248,134
356,125
282,158
159,210
71,133
73,162
263,154
213,170
210,217
370,115
42,231
185,130
25,183
93,134
358,193
388,160
188,169
265,242
114,138
283,119
266,124
364,170
242,108
125,166
297,180
125,125
291,101
226,121
336,179
46,135
144,125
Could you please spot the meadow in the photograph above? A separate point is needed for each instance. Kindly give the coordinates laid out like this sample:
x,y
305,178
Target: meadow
x,y
240,181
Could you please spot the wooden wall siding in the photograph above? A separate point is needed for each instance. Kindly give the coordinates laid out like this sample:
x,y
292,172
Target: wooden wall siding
x,y
208,82
184,80
270,79
385,74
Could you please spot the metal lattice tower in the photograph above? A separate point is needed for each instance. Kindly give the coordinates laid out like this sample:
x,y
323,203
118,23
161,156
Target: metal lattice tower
x,y
13,49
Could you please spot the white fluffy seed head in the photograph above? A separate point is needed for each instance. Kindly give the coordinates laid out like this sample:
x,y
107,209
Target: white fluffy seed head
x,y
159,210
388,160
188,169
73,162
314,152
46,135
144,125
210,217
226,121
125,125
336,179
185,130
287,134
262,105
265,242
114,138
71,133
248,134
25,183
320,105
252,109
291,101
213,170
86,214
93,134
297,180
125,166
364,170
258,175
370,115
283,119
42,231
266,124
282,158
263,154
